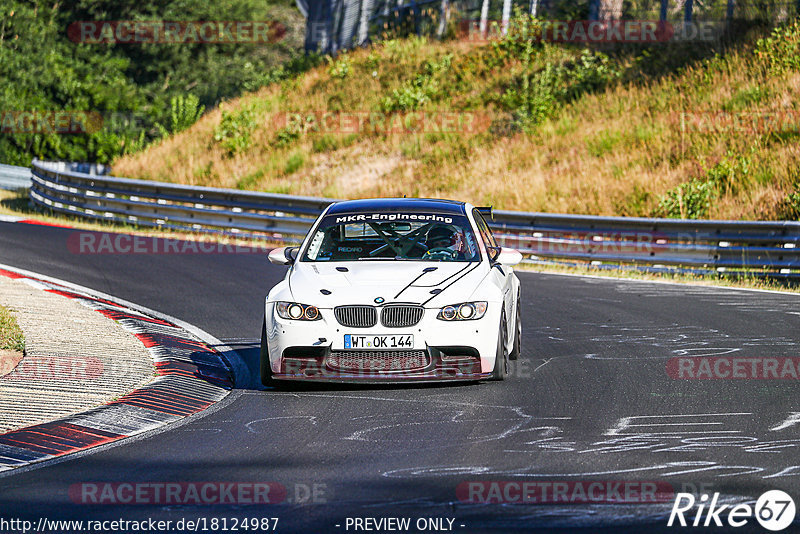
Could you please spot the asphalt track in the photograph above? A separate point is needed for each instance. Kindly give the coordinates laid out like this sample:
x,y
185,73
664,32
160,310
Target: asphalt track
x,y
590,400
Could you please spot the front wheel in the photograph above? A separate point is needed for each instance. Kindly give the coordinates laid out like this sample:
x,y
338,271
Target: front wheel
x,y
501,364
266,368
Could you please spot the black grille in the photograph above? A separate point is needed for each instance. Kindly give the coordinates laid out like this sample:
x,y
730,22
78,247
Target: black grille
x,y
378,360
400,316
356,316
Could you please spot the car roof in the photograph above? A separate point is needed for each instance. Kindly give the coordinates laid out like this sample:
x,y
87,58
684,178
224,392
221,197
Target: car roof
x,y
426,205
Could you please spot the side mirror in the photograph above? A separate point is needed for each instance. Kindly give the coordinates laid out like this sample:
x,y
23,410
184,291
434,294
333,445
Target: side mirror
x,y
505,256
283,255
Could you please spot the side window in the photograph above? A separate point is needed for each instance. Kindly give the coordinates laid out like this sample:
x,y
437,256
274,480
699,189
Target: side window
x,y
483,228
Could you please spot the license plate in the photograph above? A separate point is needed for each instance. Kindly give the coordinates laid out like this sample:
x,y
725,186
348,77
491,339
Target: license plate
x,y
389,341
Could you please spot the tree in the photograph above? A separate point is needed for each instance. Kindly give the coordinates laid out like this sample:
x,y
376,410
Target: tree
x,y
363,23
506,15
484,17
443,18
130,88
610,10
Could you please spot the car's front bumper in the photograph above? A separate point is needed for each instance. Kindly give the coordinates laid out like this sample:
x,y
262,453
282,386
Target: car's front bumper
x,y
442,351
320,364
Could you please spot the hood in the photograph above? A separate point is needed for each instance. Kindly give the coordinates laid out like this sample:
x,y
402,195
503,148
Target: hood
x,y
394,281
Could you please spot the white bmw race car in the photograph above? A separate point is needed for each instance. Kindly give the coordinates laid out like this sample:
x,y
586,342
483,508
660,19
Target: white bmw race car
x,y
393,290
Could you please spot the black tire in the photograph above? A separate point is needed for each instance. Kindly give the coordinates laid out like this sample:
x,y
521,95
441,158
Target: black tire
x,y
517,349
266,369
501,364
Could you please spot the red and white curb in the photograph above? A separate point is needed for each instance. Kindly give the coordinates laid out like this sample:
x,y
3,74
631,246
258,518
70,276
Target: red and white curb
x,y
23,220
192,374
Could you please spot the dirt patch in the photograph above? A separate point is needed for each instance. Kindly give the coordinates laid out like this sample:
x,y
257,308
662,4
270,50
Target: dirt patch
x,y
355,180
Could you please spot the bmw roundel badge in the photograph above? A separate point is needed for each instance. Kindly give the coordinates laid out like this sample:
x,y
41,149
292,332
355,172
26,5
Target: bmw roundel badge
x,y
379,300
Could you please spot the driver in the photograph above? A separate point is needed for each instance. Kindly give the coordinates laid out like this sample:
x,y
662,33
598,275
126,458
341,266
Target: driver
x,y
439,237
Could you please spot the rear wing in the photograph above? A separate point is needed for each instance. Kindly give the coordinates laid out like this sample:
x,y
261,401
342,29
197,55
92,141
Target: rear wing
x,y
486,211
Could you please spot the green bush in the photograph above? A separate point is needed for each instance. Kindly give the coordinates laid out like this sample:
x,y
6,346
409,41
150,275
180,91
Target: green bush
x,y
536,95
591,72
731,174
781,50
326,143
522,37
542,93
539,97
294,162
234,132
423,88
185,110
340,67
293,67
691,200
286,136
790,208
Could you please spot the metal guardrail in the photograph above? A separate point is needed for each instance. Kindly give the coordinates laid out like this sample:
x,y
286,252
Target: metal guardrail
x,y
773,247
173,206
13,178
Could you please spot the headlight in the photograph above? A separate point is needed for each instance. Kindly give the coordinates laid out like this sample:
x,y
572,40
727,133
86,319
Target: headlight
x,y
467,311
298,312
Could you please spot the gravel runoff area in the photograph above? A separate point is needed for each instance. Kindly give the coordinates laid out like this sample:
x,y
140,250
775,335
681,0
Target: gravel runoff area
x,y
75,358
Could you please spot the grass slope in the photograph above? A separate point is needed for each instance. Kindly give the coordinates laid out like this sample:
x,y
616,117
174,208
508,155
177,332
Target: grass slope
x,y
567,129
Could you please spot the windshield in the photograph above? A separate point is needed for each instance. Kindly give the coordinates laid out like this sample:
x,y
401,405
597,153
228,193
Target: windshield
x,y
395,236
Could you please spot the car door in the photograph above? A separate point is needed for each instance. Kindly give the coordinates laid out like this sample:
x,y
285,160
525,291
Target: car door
x,y
500,275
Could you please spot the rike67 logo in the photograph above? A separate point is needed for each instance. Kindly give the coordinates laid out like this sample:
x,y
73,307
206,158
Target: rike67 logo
x,y
774,510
